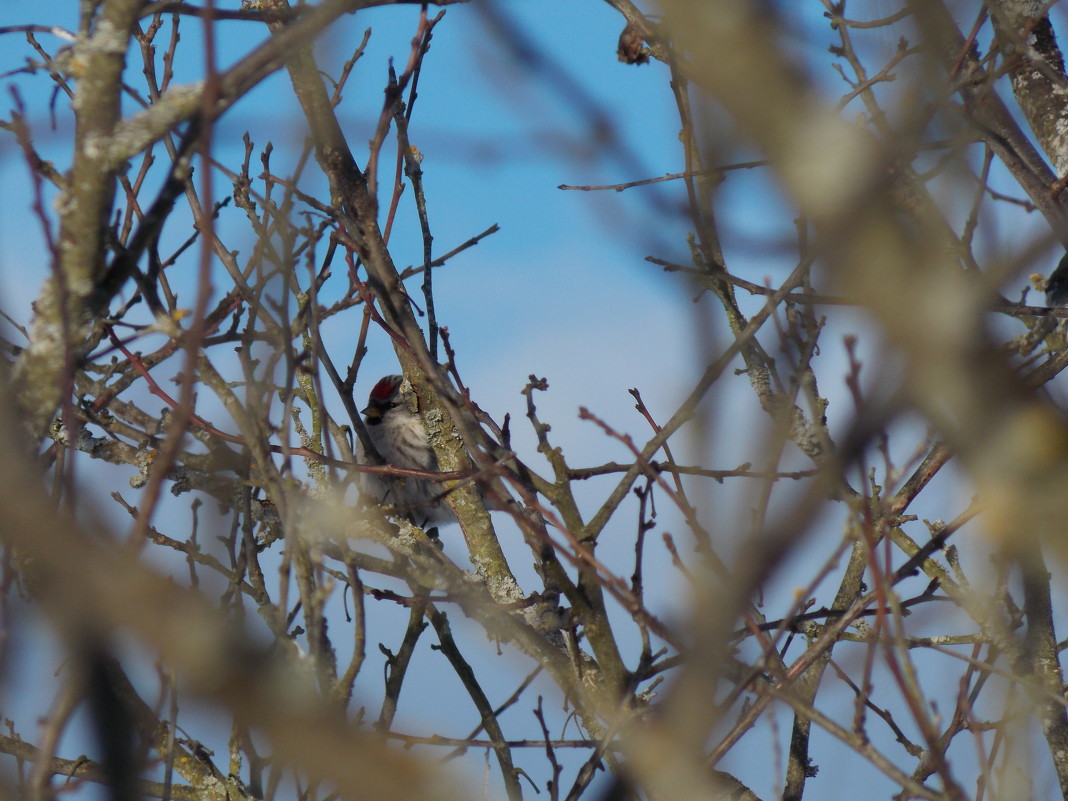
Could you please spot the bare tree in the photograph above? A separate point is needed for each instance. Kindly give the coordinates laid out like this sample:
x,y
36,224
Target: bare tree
x,y
872,596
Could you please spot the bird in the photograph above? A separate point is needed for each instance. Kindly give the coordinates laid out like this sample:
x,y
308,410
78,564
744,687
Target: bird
x,y
396,430
1057,285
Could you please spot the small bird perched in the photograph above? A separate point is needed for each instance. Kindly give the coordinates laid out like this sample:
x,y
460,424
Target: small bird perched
x,y
1057,285
397,432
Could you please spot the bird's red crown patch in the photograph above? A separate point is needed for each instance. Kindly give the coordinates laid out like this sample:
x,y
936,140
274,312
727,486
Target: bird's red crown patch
x,y
386,387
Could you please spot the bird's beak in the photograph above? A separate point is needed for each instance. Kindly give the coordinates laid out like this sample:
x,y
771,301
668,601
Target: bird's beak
x,y
372,413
